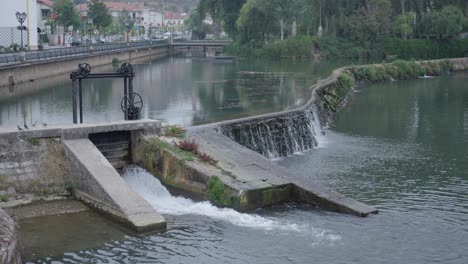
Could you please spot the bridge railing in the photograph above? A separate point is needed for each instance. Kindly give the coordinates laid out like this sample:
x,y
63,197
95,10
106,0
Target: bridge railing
x,y
49,54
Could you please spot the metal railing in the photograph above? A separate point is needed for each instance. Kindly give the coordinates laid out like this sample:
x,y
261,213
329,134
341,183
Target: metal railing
x,y
49,54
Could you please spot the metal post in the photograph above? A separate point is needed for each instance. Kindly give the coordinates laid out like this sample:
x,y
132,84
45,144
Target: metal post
x,y
81,100
125,94
75,118
21,35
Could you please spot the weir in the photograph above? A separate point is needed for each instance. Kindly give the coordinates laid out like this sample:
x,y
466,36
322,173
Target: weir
x,y
278,136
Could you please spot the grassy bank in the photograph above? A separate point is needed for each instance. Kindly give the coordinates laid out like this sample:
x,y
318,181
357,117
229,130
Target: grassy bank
x,y
334,48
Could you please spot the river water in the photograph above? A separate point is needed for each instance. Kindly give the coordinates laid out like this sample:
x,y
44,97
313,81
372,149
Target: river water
x,y
399,146
185,91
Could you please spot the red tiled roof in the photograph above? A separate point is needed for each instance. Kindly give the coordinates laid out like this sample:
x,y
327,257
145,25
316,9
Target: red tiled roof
x,y
48,3
174,16
116,7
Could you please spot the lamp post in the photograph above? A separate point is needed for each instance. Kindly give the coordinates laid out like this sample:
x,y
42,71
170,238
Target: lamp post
x,y
21,17
128,28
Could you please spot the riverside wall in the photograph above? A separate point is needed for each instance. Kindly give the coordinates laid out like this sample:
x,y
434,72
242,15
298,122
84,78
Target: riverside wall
x,y
29,72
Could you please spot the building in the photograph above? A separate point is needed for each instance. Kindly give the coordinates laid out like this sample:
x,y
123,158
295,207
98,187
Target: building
x,y
44,10
174,19
142,15
9,32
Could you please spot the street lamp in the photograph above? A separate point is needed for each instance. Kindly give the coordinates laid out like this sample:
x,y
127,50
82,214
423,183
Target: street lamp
x,y
21,18
128,28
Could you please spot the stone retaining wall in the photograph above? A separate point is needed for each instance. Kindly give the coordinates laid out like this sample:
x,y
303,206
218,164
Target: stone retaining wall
x,y
9,249
34,71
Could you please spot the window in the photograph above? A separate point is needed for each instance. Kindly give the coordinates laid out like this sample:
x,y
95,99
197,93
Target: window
x,y
45,13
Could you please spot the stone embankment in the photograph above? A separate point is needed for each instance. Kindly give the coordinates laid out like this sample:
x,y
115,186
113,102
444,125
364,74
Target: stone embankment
x,y
9,248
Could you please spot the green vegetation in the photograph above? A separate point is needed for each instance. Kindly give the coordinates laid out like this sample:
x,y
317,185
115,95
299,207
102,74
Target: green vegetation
x,y
99,13
34,141
338,48
115,61
152,150
174,131
4,198
399,70
217,192
66,13
406,29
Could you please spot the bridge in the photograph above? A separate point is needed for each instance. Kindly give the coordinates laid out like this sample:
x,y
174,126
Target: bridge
x,y
201,43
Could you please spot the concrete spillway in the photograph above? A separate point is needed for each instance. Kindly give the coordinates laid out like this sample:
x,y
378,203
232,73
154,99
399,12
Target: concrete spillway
x,y
96,182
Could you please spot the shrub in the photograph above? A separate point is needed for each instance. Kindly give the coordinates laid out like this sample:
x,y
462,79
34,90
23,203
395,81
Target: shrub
x,y
4,198
187,145
217,192
346,81
391,71
115,61
175,131
435,68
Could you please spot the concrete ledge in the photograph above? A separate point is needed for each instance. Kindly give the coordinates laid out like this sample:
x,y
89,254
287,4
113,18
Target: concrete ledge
x,y
72,131
99,185
250,180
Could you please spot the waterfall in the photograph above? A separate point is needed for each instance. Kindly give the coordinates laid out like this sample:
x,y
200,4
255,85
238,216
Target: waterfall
x,y
276,137
151,189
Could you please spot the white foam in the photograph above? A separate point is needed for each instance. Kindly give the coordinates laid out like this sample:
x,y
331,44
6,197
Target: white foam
x,y
159,197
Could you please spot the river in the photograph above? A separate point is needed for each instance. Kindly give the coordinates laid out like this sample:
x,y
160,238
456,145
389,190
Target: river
x,y
399,146
184,91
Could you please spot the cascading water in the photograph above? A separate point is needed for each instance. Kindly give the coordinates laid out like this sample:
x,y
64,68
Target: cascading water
x,y
151,189
280,136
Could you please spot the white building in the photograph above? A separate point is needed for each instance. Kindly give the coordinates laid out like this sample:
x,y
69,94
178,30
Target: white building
x,y
44,10
142,15
9,33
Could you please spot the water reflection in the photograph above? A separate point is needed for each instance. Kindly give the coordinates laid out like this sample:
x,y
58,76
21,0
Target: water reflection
x,y
183,91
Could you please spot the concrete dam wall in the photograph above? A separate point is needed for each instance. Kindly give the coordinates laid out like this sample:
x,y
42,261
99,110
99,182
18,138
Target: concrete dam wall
x,y
278,136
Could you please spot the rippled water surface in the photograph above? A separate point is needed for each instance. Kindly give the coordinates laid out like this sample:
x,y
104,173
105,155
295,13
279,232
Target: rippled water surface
x,y
399,146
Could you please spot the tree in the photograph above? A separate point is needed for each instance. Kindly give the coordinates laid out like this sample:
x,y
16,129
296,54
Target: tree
x,y
99,13
223,10
66,13
402,25
253,23
444,23
195,23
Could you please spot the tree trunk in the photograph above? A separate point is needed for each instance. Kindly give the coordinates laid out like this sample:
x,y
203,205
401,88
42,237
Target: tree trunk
x,y
294,29
402,3
282,26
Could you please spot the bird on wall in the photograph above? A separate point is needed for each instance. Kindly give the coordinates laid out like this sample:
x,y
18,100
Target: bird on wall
x,y
19,128
26,126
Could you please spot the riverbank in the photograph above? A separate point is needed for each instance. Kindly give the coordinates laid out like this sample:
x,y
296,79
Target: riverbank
x,y
334,48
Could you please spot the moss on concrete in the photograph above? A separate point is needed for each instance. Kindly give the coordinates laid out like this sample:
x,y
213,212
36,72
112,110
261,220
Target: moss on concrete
x,y
152,150
4,198
34,141
217,192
